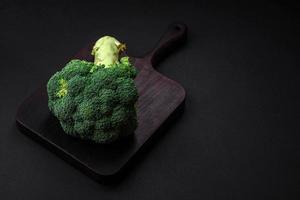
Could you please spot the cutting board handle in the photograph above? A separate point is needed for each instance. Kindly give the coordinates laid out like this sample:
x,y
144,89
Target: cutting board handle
x,y
174,36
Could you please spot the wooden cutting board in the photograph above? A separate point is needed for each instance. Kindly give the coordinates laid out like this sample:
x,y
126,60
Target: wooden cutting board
x,y
159,98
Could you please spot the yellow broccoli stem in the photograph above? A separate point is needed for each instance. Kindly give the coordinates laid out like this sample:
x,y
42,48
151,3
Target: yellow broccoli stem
x,y
107,50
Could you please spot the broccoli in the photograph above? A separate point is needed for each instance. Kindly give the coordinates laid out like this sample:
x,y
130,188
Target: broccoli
x,y
95,101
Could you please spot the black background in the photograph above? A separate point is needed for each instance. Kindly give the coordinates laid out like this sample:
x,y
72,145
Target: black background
x,y
238,137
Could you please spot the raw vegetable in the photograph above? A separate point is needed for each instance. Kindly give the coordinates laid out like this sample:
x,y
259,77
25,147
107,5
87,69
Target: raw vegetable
x,y
96,101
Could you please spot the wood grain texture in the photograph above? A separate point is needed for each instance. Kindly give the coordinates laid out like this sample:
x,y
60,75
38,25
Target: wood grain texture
x,y
159,98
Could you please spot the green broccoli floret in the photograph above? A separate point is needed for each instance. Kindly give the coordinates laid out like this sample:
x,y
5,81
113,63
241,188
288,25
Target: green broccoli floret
x,y
93,101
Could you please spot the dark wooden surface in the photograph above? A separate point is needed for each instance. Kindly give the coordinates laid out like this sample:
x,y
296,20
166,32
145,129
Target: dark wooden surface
x,y
159,98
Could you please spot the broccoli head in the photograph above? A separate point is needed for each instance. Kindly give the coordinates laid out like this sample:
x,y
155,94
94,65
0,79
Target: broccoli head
x,y
93,101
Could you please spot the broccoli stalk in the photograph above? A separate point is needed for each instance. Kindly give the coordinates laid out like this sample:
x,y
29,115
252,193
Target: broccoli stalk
x,y
96,101
106,51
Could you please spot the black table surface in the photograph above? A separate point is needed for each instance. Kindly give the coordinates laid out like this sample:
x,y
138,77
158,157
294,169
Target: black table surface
x,y
238,137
